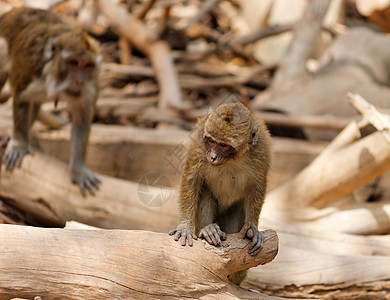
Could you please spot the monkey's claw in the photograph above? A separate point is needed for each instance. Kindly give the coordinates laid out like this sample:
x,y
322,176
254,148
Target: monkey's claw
x,y
213,234
257,241
17,150
185,234
85,179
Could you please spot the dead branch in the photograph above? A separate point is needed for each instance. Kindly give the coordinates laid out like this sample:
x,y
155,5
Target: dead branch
x,y
158,52
206,8
326,180
260,34
306,33
102,264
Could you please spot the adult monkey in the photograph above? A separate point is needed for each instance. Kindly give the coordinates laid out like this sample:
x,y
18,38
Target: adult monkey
x,y
50,61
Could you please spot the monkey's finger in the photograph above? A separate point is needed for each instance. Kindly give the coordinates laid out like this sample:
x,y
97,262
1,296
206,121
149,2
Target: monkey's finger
x,y
254,242
177,235
20,157
89,186
82,189
215,233
204,234
189,238
172,232
257,247
255,251
95,181
211,235
12,161
250,233
222,235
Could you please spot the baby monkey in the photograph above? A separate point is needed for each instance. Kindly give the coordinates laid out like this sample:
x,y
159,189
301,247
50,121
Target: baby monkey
x,y
49,61
225,178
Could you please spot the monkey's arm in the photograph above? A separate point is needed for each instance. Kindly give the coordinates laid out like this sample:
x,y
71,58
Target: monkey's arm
x,y
189,203
206,217
82,114
253,204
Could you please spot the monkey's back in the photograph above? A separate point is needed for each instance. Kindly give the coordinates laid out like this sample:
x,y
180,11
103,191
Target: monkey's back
x,y
17,20
27,31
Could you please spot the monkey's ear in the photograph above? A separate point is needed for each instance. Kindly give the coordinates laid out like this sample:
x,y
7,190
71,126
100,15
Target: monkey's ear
x,y
89,43
254,135
50,48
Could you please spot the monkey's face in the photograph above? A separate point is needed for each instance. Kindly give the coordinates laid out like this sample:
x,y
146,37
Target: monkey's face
x,y
75,59
217,153
78,72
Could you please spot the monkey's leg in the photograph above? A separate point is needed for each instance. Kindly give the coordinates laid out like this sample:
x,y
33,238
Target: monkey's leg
x,y
24,115
206,218
82,114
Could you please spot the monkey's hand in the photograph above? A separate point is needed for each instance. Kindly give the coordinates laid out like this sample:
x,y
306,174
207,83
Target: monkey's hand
x,y
17,150
213,234
255,235
84,178
186,233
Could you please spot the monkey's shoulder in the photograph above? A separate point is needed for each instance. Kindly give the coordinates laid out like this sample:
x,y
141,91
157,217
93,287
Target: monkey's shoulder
x,y
24,19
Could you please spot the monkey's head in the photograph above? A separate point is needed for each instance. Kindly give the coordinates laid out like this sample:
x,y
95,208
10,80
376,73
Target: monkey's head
x,y
230,129
75,58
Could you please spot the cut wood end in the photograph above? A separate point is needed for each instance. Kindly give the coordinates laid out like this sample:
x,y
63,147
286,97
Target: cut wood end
x,y
371,115
236,249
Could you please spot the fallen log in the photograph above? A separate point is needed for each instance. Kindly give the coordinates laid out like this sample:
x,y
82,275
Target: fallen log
x,y
118,264
310,274
343,170
49,197
328,241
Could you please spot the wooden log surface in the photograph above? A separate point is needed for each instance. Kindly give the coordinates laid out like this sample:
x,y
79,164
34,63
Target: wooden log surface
x,y
119,264
49,197
117,205
329,179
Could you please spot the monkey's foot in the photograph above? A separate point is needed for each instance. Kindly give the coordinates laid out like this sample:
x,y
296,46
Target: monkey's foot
x,y
213,234
17,150
84,178
257,240
186,234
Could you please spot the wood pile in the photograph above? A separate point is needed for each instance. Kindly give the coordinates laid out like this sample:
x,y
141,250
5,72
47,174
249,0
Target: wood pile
x,y
326,219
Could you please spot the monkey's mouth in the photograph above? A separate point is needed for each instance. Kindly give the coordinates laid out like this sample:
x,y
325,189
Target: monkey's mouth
x,y
73,93
215,160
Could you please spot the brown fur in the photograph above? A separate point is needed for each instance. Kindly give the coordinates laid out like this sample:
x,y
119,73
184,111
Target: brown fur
x,y
231,194
39,45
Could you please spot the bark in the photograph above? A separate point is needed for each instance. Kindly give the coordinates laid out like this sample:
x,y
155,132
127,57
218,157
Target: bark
x,y
119,264
48,196
341,172
306,33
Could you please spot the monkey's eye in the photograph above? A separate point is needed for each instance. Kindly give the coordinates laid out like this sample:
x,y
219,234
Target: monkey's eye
x,y
209,139
73,62
224,146
89,66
